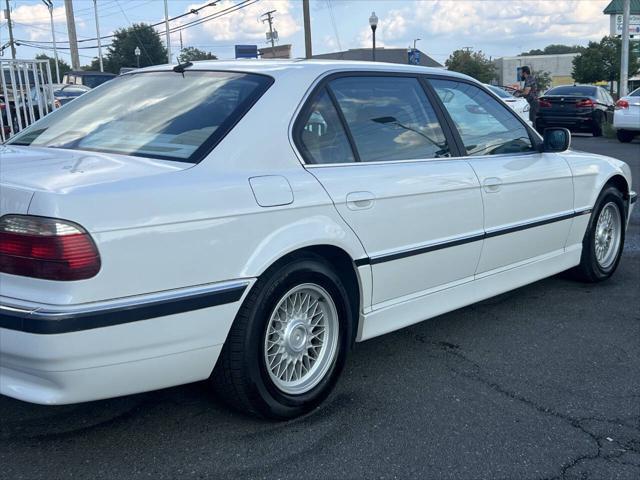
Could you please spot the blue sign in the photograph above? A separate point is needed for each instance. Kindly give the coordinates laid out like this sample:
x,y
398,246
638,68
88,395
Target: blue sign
x,y
246,51
414,56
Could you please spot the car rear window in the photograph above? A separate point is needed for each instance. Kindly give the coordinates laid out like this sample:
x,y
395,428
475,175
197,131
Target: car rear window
x,y
635,93
571,90
164,115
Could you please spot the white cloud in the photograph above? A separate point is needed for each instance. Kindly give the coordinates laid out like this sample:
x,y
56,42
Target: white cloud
x,y
491,21
35,21
241,25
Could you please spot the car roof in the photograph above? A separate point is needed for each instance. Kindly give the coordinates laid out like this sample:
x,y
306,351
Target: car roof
x,y
302,67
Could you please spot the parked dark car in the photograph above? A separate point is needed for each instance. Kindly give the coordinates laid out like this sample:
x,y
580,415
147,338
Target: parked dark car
x,y
580,108
62,94
87,78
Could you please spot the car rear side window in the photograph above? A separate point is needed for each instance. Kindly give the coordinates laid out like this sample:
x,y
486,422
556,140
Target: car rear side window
x,y
486,126
164,115
322,138
389,118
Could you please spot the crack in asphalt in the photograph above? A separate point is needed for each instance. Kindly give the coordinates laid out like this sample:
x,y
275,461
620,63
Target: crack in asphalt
x,y
453,350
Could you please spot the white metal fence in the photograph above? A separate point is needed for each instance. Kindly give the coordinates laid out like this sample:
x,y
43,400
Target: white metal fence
x,y
26,94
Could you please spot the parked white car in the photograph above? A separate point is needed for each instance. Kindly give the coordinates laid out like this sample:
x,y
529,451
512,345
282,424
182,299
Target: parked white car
x,y
626,118
518,104
247,222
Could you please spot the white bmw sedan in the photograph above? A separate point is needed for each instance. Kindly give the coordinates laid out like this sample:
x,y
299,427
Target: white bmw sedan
x,y
626,118
518,104
248,222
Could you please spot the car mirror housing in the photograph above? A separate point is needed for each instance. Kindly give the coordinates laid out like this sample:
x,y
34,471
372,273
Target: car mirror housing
x,y
556,139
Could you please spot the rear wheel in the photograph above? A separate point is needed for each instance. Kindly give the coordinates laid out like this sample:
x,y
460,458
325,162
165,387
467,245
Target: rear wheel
x,y
598,124
604,240
624,136
289,341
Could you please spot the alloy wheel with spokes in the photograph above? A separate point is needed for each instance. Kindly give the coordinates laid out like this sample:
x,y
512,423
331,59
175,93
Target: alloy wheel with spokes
x,y
301,338
607,235
289,341
604,238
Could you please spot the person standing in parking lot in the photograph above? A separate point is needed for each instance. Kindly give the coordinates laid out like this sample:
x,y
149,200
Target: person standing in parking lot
x,y
530,92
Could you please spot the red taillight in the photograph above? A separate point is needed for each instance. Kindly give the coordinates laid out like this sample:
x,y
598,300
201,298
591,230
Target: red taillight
x,y
46,248
585,103
622,104
544,103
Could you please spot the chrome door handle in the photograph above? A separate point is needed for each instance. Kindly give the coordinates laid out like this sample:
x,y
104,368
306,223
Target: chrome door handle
x,y
492,184
360,200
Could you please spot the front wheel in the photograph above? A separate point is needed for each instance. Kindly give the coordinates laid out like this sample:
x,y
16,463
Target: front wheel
x,y
604,240
289,341
624,136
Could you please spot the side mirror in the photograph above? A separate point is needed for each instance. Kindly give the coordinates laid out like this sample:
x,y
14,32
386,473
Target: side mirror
x,y
556,139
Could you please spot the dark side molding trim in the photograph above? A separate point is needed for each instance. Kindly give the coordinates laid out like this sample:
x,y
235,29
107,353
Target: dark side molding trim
x,y
387,257
47,322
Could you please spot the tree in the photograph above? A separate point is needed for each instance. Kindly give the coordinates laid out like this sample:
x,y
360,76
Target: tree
x,y
191,54
554,49
474,64
600,62
121,52
62,65
543,80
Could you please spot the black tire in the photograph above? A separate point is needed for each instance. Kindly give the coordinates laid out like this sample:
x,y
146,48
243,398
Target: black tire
x,y
240,376
624,136
598,124
590,269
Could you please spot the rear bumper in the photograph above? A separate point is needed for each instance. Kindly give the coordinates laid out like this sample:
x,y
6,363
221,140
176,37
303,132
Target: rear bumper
x,y
576,121
628,122
59,355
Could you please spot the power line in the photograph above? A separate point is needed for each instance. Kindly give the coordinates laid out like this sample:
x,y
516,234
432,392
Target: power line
x,y
333,22
190,12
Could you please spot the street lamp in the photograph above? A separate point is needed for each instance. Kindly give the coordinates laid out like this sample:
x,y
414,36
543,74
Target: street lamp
x,y
137,53
49,5
373,22
414,42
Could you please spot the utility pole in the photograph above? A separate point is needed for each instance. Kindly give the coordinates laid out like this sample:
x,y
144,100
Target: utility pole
x,y
307,29
166,26
95,10
269,19
623,88
10,25
73,38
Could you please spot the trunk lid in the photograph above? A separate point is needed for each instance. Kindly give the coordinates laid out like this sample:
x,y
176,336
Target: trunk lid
x,y
566,104
13,199
24,170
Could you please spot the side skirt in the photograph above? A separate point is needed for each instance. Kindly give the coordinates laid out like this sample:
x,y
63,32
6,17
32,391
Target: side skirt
x,y
429,305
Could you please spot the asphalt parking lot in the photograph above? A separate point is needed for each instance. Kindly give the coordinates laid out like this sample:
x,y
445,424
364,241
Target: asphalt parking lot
x,y
539,383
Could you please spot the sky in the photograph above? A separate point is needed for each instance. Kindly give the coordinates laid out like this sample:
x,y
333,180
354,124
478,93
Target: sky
x,y
496,27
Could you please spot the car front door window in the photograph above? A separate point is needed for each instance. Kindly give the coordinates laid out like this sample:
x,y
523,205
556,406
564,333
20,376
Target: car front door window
x,y
485,126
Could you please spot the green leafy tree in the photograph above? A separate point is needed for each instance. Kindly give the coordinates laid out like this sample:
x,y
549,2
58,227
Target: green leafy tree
x,y
191,54
600,62
121,52
63,66
474,64
543,80
554,49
